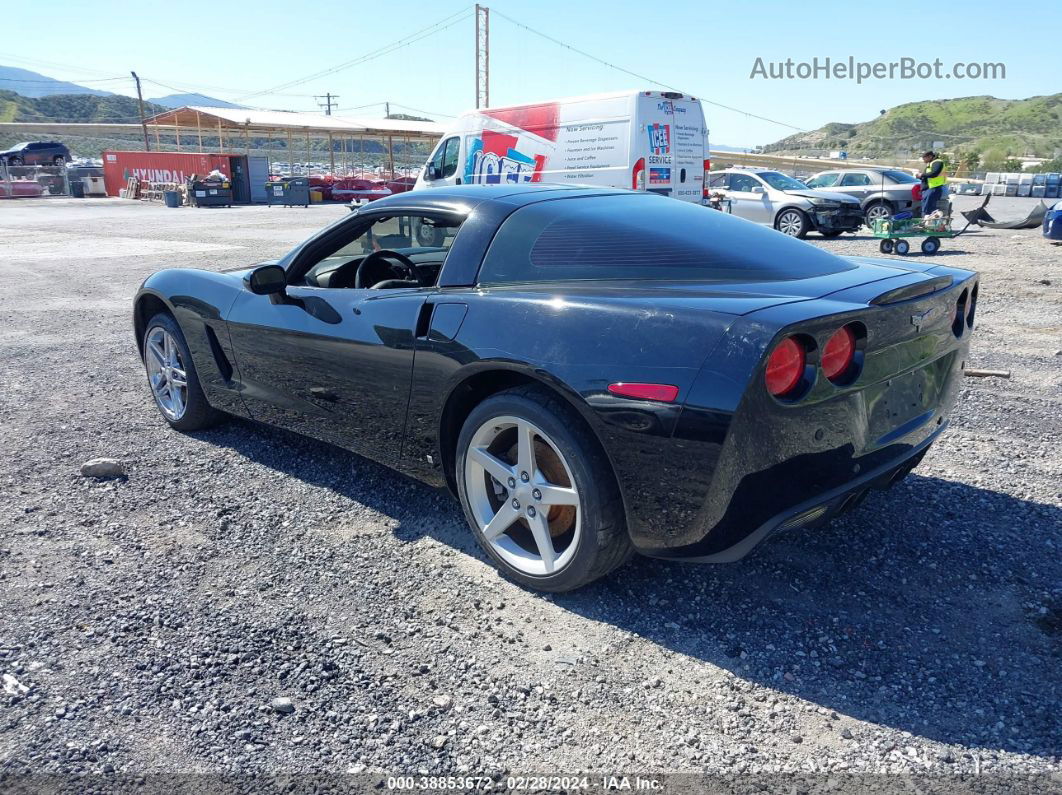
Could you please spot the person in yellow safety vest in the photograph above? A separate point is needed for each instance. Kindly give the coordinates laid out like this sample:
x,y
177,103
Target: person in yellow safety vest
x,y
933,181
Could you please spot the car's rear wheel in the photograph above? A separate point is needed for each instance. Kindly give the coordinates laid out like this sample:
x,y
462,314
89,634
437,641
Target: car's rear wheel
x,y
876,212
792,222
58,160
172,377
538,492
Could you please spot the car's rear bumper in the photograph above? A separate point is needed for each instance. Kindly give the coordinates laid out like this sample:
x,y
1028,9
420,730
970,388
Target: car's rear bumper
x,y
812,512
740,464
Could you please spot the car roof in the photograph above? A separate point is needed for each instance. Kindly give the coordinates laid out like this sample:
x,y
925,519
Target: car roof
x,y
448,197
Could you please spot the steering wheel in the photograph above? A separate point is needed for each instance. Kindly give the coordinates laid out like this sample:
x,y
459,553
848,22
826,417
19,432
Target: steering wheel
x,y
363,277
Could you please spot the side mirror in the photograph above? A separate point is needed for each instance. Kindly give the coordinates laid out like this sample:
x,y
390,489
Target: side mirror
x,y
758,190
431,172
266,280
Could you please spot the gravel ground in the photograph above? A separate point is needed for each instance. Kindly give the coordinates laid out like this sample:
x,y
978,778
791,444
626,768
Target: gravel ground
x,y
248,600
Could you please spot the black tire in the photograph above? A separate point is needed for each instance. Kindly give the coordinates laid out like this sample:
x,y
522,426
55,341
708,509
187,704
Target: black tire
x,y
793,220
15,161
885,246
902,247
603,543
931,245
58,160
198,413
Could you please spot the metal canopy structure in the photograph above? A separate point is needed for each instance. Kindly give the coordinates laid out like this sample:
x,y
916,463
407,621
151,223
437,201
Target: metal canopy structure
x,y
270,122
235,125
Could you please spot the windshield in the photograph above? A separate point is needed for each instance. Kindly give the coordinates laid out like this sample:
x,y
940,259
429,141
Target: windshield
x,y
899,176
780,181
22,145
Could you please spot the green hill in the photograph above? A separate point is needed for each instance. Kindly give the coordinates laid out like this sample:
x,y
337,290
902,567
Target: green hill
x,y
1030,127
72,108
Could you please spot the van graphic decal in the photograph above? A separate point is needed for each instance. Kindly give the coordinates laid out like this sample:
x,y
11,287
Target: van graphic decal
x,y
493,158
542,120
659,138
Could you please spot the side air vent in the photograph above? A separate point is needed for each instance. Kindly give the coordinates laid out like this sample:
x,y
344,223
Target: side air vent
x,y
913,291
224,366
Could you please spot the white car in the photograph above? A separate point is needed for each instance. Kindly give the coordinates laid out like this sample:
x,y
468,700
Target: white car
x,y
773,199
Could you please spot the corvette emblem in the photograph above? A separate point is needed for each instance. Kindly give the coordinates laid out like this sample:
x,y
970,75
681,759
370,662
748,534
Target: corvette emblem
x,y
919,320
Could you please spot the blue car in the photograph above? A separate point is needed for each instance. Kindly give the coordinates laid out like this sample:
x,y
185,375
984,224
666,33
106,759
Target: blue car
x,y
1053,222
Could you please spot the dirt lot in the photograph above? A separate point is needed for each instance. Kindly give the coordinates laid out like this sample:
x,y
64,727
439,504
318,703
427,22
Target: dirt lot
x,y
149,623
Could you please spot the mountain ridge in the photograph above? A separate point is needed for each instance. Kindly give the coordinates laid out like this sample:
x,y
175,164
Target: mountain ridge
x,y
978,124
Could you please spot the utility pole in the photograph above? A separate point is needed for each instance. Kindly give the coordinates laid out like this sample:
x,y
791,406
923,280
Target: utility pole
x,y
143,121
482,56
328,103
387,110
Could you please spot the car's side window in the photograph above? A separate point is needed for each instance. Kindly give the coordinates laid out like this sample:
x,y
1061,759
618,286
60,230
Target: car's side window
x,y
444,161
743,182
853,180
718,181
410,249
449,161
823,181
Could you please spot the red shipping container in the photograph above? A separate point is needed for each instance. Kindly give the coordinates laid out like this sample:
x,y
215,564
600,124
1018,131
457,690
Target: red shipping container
x,y
118,167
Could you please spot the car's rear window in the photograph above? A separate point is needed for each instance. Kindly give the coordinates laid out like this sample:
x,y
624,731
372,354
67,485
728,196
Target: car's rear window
x,y
637,236
899,176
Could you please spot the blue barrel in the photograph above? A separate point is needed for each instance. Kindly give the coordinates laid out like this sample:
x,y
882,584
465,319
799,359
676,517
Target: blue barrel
x,y
172,198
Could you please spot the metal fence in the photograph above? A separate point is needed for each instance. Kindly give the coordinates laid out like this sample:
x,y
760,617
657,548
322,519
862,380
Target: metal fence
x,y
17,182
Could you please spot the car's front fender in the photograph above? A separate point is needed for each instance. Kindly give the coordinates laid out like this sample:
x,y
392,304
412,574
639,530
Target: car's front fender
x,y
199,301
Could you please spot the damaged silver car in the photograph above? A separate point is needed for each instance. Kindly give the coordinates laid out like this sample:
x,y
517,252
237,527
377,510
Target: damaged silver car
x,y
773,199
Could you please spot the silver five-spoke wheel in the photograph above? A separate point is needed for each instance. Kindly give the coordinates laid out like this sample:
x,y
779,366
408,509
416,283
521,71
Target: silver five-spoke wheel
x,y
522,496
166,373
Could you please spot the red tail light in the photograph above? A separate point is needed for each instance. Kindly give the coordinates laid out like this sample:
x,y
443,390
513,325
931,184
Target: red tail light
x,y
704,186
785,366
838,353
638,176
666,393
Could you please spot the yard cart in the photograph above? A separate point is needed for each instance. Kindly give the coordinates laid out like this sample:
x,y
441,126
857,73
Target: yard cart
x,y
894,233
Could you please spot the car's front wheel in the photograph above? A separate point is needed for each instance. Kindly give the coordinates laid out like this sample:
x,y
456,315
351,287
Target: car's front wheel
x,y
792,222
15,161
58,160
172,377
538,492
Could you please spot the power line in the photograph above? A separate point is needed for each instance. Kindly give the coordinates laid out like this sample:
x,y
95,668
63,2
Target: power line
x,y
585,54
405,41
421,110
196,87
54,80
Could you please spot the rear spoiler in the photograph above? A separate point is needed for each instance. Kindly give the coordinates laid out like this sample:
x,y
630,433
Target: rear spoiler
x,y
918,290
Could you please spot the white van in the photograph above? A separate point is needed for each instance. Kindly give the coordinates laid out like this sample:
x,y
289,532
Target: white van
x,y
640,140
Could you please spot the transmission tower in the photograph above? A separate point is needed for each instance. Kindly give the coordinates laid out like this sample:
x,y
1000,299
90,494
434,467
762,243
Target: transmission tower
x,y
482,56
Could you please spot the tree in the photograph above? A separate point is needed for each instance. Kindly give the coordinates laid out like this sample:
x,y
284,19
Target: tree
x,y
997,160
968,161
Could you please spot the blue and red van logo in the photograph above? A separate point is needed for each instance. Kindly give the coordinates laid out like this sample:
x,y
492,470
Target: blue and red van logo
x,y
493,159
659,138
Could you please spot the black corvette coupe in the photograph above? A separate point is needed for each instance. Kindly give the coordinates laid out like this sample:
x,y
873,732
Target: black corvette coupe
x,y
591,372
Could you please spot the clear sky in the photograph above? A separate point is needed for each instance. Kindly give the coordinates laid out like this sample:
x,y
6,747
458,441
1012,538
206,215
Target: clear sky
x,y
235,48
